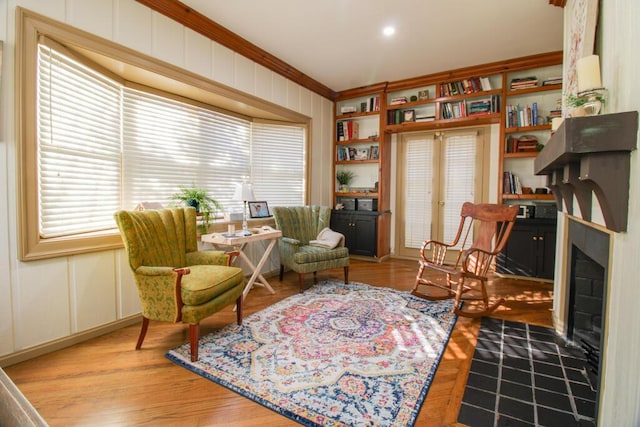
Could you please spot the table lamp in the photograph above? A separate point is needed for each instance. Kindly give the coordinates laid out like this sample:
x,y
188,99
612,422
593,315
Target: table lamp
x,y
244,193
590,89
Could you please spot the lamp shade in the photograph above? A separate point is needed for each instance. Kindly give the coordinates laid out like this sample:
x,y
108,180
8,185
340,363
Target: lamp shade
x,y
244,192
588,72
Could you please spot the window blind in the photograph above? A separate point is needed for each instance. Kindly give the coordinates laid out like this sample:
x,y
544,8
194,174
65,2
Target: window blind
x,y
418,191
459,178
168,143
79,146
104,146
278,164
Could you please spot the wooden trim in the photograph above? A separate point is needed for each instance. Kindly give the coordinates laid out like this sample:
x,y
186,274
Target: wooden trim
x,y
190,18
559,3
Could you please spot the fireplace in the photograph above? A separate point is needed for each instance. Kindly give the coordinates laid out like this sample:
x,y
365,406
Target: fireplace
x,y
585,295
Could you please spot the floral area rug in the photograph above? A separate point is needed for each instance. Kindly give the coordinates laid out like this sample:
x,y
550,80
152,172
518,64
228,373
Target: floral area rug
x,y
353,355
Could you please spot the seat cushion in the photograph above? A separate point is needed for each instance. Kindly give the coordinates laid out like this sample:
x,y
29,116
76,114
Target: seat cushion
x,y
205,282
315,254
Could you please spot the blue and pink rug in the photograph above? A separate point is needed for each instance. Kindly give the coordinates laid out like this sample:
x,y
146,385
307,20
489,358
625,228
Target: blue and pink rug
x,y
334,355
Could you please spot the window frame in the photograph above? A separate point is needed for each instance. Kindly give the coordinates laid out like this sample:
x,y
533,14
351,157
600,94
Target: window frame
x,y
30,27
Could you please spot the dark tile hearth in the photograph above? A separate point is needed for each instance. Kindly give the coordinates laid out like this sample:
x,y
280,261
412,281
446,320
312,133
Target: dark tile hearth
x,y
523,375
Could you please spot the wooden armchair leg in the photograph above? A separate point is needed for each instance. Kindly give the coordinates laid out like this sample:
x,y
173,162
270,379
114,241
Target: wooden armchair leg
x,y
346,275
239,309
281,272
194,337
301,282
143,332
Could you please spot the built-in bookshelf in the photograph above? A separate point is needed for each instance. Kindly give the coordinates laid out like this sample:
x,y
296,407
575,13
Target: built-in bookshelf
x,y
533,97
519,95
362,148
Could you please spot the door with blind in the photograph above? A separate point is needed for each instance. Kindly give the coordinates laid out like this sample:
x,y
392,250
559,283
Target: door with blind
x,y
437,173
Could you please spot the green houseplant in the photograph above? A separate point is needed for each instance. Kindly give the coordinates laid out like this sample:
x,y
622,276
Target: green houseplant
x,y
198,198
344,178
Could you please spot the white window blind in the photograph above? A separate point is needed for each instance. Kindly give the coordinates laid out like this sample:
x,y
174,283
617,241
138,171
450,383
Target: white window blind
x,y
418,191
169,143
79,146
459,152
278,159
103,146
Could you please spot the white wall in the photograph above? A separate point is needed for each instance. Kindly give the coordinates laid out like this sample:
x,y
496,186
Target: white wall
x,y
620,394
42,301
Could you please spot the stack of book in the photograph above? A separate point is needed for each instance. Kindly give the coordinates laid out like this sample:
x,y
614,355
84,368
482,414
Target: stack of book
x,y
552,81
521,144
399,100
524,83
483,106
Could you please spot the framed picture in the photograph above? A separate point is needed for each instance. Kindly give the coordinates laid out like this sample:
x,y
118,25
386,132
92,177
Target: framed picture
x,y
258,210
580,24
409,115
423,95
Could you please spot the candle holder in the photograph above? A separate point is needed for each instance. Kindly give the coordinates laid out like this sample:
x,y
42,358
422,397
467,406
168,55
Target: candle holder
x,y
593,100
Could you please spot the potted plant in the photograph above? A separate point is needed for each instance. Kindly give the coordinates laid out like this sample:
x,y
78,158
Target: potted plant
x,y
198,198
344,178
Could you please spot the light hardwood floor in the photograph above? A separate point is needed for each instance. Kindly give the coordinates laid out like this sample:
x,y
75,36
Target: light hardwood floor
x,y
104,381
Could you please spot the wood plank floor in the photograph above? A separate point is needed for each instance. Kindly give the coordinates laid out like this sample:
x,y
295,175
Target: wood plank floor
x,y
104,381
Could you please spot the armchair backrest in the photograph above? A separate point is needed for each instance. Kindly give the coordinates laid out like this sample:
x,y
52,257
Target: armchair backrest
x,y
302,223
158,238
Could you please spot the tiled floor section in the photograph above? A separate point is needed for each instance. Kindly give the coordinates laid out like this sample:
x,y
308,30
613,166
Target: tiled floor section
x,y
522,375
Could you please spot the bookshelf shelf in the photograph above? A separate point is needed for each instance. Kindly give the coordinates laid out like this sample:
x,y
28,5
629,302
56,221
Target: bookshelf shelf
x,y
528,197
527,91
371,140
520,155
516,129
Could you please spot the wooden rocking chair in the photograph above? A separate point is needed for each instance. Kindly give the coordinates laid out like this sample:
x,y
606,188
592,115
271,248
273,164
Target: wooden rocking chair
x,y
481,235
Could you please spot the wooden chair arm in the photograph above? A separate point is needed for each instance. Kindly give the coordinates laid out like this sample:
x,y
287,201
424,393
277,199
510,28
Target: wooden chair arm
x,y
438,251
476,262
232,256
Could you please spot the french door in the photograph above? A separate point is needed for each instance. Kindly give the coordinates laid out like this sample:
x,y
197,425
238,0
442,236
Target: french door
x,y
437,173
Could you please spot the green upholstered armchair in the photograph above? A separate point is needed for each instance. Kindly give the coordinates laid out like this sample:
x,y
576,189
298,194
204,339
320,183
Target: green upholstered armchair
x,y
300,225
175,281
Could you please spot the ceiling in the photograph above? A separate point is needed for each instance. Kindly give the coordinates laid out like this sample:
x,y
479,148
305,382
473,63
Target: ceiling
x,y
339,43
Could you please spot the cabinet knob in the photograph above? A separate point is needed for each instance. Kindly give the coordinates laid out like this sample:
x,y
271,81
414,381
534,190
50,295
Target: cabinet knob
x,y
535,238
540,238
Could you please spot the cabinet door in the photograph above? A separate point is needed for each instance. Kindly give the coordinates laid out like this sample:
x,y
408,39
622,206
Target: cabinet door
x,y
547,252
365,235
520,255
341,223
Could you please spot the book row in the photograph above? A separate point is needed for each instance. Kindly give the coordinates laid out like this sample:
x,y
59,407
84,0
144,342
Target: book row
x,y
358,153
464,86
523,115
511,183
369,105
346,130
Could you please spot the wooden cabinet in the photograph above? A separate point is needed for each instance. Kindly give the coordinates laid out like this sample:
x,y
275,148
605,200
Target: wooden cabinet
x,y
360,230
530,250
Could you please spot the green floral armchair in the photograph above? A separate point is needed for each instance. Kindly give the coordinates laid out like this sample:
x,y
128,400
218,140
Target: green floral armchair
x,y
299,226
175,281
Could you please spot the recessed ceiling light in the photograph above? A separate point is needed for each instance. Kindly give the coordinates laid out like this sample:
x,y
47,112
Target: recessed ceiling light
x,y
388,31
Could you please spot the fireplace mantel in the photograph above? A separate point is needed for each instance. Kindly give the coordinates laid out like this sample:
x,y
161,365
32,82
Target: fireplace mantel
x,y
592,154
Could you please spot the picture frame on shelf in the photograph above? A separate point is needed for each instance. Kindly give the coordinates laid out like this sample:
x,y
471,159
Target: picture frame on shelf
x,y
409,115
259,209
374,152
423,95
362,154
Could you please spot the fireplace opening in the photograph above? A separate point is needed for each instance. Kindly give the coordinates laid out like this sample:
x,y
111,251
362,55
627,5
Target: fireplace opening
x,y
587,280
585,313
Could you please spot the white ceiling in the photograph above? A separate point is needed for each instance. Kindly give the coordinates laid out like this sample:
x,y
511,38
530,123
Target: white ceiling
x,y
340,44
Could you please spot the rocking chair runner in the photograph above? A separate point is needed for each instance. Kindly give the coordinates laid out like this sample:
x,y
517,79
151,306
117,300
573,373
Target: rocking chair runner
x,y
490,226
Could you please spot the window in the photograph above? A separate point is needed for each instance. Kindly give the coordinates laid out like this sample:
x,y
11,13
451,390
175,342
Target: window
x,y
438,173
94,142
